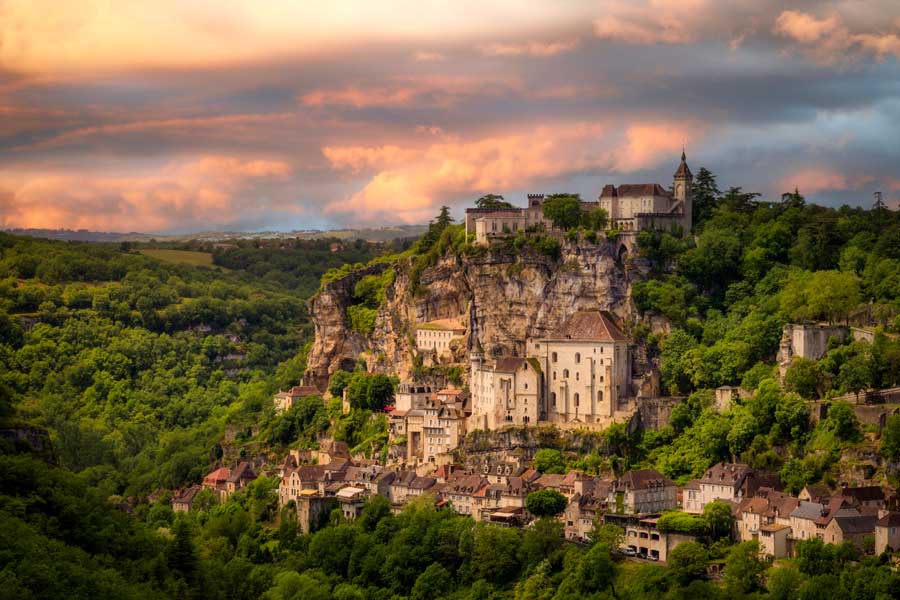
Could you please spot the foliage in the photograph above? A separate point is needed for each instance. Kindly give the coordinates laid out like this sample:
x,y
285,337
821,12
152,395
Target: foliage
x,y
370,391
549,460
545,503
493,201
563,210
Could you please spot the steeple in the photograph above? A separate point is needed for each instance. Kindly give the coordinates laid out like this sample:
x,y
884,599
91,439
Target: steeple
x,y
683,170
682,185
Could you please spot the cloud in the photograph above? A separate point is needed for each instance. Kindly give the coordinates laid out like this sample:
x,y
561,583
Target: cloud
x,y
410,190
830,40
202,193
362,158
529,48
422,56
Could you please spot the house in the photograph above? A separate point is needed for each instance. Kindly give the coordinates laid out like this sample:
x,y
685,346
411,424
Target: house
x,y
184,500
767,508
436,336
216,481
590,502
645,491
460,491
773,540
586,368
411,395
887,533
351,501
690,497
724,481
284,401
815,493
435,429
870,496
239,478
850,527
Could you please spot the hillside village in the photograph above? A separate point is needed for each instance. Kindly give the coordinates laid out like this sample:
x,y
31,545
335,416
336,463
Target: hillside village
x,y
583,373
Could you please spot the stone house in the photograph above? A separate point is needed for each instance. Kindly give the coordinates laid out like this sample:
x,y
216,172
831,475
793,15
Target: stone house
x,y
351,501
216,480
690,497
411,395
586,367
643,535
887,533
850,527
461,491
506,392
284,401
870,496
184,499
436,336
724,481
645,491
774,540
240,477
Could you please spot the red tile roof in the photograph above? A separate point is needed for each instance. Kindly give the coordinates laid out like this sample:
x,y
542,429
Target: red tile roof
x,y
594,325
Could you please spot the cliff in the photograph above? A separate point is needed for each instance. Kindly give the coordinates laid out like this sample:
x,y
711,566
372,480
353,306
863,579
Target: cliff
x,y
502,297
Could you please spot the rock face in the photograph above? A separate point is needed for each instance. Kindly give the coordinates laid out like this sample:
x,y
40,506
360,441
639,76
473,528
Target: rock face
x,y
503,299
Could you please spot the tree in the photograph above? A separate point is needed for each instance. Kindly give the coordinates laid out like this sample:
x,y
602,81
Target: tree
x,y
370,391
842,420
855,375
890,438
704,195
596,571
494,201
744,568
594,220
784,584
443,219
182,555
803,376
549,461
737,200
688,561
563,210
434,582
719,519
545,503
540,541
340,379
607,533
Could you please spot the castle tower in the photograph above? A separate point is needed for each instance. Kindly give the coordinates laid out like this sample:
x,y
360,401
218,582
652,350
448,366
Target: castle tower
x,y
683,184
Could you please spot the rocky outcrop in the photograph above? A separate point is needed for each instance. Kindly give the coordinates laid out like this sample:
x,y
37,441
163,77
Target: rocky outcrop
x,y
502,298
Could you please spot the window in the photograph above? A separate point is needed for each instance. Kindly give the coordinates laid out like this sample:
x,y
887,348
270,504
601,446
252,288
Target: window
x,y
600,396
553,398
554,375
576,375
577,358
576,400
565,373
553,357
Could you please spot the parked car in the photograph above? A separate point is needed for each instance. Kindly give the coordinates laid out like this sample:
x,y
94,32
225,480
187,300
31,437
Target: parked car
x,y
630,551
642,555
653,557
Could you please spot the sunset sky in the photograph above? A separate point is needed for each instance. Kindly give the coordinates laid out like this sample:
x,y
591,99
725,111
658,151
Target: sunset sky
x,y
177,116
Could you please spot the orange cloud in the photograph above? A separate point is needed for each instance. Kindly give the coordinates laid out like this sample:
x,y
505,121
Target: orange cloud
x,y
651,22
829,39
206,192
812,180
440,90
409,191
422,56
360,158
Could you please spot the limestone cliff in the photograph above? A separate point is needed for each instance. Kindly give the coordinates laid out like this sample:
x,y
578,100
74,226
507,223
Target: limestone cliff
x,y
503,299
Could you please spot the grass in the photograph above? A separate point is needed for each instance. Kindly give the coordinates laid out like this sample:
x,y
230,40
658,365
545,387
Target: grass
x,y
185,257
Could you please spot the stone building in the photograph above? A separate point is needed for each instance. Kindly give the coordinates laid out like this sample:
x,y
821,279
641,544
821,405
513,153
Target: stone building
x,y
808,341
284,401
433,428
435,336
505,392
411,395
730,482
645,491
586,367
887,532
634,207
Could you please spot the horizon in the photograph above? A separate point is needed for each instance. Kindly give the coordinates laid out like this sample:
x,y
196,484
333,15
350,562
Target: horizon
x,y
235,117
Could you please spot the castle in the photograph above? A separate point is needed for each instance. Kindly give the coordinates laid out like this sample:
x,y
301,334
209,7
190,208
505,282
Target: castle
x,y
629,207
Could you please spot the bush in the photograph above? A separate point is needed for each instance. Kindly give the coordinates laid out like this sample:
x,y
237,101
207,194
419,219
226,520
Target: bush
x,y
545,503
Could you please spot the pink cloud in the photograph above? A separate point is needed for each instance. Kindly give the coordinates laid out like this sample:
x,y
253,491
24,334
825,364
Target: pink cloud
x,y
424,56
410,190
831,40
529,48
205,192
361,158
815,179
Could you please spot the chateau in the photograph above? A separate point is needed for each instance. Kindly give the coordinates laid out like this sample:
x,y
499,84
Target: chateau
x,y
629,207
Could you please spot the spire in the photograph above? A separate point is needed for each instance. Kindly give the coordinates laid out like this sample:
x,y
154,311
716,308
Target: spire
x,y
683,170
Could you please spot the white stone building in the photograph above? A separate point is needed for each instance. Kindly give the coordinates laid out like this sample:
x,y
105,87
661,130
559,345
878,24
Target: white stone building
x,y
506,392
436,336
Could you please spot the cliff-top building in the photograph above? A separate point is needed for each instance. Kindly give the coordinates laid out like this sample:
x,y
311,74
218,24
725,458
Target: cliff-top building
x,y
629,207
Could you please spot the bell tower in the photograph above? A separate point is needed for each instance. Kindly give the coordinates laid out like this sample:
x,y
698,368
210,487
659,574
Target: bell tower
x,y
683,185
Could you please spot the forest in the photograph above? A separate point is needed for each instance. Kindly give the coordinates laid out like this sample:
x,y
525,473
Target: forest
x,y
138,375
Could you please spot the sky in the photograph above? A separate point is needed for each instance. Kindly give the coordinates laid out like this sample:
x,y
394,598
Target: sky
x,y
174,116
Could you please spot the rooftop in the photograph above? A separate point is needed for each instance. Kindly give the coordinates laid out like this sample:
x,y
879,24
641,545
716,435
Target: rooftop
x,y
593,325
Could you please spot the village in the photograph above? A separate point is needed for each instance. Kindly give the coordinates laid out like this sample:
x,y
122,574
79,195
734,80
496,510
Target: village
x,y
580,376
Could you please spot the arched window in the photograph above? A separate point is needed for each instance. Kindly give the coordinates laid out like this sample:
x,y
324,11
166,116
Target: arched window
x,y
600,396
565,373
576,400
578,358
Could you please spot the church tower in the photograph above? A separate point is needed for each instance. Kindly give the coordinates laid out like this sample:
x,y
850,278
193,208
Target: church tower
x,y
683,183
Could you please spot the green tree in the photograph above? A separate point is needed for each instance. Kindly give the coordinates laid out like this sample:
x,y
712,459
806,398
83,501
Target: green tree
x,y
719,519
842,420
890,438
340,379
705,195
607,533
182,554
563,210
549,461
595,220
803,376
784,584
494,201
596,571
434,582
688,561
744,568
545,503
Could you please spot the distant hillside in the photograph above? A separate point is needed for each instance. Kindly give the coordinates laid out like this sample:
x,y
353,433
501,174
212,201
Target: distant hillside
x,y
379,234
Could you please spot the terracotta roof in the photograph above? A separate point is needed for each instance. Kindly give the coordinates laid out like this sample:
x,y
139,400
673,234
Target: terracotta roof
x,y
449,392
218,476
594,325
186,496
243,472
